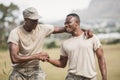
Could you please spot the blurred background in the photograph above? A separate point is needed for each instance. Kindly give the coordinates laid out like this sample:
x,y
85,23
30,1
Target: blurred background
x,y
100,16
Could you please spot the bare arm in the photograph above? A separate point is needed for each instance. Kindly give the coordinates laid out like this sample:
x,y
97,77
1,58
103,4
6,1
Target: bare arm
x,y
16,58
88,33
102,63
59,30
60,62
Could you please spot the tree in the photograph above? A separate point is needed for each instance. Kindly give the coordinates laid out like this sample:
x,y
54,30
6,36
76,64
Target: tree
x,y
7,18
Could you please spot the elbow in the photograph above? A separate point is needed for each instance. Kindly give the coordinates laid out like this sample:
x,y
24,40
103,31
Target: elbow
x,y
14,61
62,66
59,65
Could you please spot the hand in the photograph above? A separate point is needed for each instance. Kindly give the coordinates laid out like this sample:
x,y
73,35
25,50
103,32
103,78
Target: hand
x,y
42,56
88,33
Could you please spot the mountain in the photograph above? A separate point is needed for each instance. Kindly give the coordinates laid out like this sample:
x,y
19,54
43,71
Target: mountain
x,y
98,9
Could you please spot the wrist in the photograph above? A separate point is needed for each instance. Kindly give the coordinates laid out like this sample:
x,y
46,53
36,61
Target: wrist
x,y
49,60
34,56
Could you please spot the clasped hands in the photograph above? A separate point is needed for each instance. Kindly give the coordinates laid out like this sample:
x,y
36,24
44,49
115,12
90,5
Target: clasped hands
x,y
43,56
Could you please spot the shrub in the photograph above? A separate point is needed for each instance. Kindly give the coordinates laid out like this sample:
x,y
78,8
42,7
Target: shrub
x,y
51,45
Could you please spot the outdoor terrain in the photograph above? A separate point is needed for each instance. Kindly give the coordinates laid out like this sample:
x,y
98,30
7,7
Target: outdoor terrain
x,y
112,55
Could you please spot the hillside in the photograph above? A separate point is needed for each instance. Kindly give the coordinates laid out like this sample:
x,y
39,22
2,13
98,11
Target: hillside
x,y
100,9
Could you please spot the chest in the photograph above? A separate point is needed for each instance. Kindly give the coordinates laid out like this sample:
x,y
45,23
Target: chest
x,y
30,39
74,45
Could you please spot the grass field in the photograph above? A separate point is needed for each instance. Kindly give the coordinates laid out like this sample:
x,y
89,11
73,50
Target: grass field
x,y
112,55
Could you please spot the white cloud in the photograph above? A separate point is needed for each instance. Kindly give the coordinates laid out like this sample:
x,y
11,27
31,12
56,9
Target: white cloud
x,y
50,10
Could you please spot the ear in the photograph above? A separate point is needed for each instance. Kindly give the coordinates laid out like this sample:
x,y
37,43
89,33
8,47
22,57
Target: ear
x,y
77,23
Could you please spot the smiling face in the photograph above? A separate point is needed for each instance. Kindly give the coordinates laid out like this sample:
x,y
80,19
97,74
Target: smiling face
x,y
70,24
30,24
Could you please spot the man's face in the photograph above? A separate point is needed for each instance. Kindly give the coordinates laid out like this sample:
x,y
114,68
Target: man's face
x,y
70,24
31,24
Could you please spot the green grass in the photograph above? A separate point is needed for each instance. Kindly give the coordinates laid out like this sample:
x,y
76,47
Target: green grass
x,y
111,52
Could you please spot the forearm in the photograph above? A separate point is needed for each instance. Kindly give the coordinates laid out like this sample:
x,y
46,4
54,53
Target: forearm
x,y
59,30
22,59
56,63
17,58
102,65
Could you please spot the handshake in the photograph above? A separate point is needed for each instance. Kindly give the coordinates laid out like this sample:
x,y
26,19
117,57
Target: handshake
x,y
43,56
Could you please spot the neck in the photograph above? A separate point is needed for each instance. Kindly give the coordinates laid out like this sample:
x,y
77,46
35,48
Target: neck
x,y
26,28
77,32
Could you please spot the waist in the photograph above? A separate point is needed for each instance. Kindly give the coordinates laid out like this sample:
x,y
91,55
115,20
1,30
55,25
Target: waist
x,y
27,71
32,63
78,76
81,76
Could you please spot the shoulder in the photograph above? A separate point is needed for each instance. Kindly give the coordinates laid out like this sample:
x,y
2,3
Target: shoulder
x,y
15,30
45,25
95,39
95,36
47,28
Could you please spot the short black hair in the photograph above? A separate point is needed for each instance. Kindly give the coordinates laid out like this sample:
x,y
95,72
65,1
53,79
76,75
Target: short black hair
x,y
75,15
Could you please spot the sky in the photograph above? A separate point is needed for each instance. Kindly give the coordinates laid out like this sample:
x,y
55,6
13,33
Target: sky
x,y
49,10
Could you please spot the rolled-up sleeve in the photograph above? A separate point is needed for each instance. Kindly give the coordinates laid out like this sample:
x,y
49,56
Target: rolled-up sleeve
x,y
96,43
62,51
13,37
49,29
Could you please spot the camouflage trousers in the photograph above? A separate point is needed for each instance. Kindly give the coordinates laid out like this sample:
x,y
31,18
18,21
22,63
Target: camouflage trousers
x,y
76,77
27,73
